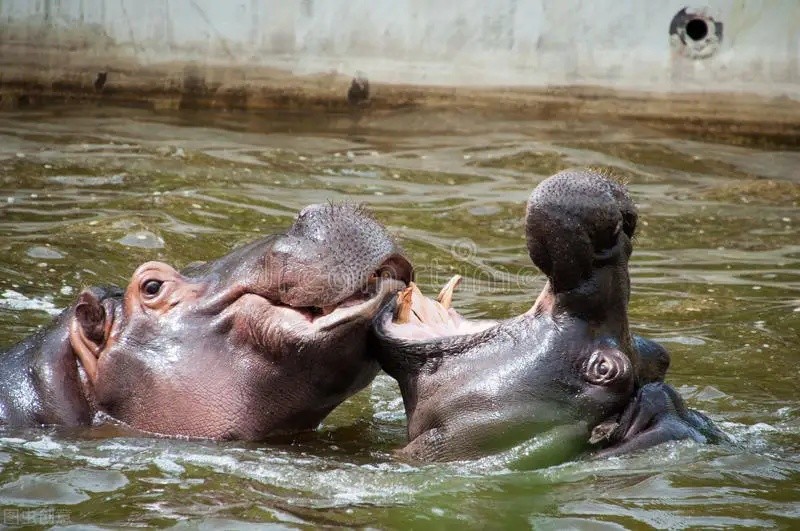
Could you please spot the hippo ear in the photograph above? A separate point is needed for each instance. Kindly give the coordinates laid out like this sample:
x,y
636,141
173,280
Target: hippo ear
x,y
87,331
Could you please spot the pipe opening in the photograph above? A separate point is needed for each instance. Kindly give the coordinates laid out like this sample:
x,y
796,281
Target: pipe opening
x,y
694,33
696,29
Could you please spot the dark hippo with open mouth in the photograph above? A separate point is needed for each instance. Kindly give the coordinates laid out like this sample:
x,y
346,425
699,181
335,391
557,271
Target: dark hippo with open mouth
x,y
472,387
267,339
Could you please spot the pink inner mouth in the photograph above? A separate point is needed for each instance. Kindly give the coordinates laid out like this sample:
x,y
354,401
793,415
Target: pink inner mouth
x,y
419,318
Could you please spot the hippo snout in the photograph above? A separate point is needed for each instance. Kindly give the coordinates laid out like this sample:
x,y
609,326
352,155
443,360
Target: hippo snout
x,y
575,222
332,252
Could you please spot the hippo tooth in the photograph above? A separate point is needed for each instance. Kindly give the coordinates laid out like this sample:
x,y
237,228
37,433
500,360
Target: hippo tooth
x,y
445,297
428,311
402,313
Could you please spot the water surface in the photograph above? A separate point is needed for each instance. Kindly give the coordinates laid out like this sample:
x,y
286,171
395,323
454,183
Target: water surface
x,y
86,195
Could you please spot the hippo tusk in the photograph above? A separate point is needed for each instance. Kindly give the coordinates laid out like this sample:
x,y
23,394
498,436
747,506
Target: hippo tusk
x,y
445,296
402,313
413,306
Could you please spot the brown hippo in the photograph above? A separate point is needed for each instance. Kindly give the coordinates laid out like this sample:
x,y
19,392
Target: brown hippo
x,y
265,340
472,387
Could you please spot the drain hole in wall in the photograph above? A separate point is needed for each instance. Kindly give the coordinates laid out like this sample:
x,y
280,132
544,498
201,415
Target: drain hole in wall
x,y
694,33
696,29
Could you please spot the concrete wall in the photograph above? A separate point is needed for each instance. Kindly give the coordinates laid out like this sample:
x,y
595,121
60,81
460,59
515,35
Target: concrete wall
x,y
521,43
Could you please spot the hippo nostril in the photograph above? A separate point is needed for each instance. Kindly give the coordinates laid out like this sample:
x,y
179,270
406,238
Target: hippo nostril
x,y
629,223
604,241
395,267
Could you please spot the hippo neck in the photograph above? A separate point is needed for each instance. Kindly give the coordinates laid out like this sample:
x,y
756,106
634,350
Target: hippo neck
x,y
601,301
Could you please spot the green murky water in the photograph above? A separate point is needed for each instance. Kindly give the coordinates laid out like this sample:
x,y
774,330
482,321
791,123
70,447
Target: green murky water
x,y
87,195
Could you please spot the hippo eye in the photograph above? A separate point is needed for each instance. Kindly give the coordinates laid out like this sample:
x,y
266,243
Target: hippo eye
x,y
152,287
606,366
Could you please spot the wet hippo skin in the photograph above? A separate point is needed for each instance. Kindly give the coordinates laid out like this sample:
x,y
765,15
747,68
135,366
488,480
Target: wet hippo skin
x,y
265,340
475,387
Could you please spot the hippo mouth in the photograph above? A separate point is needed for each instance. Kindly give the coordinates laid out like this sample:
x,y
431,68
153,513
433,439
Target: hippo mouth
x,y
393,275
416,317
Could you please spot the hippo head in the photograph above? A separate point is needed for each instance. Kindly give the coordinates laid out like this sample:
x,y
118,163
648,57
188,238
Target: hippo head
x,y
474,386
267,339
579,228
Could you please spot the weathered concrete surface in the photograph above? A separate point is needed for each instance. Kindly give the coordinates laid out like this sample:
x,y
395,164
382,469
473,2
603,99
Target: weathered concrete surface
x,y
515,56
620,43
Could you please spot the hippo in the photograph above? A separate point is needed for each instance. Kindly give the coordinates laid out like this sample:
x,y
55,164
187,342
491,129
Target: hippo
x,y
263,341
474,387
